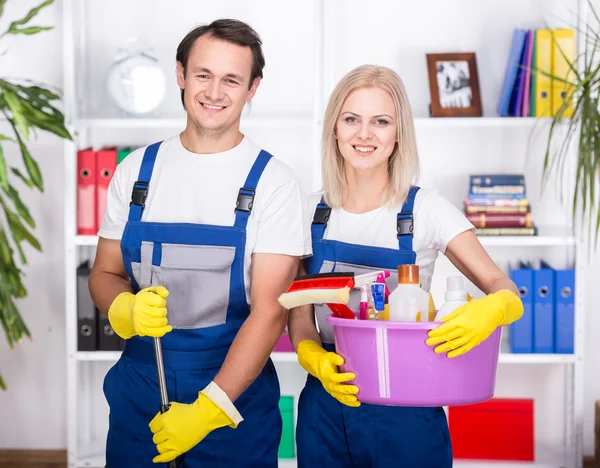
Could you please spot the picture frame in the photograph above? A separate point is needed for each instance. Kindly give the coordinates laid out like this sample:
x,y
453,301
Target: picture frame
x,y
454,85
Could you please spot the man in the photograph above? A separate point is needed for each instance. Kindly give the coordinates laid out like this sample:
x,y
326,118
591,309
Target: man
x,y
194,227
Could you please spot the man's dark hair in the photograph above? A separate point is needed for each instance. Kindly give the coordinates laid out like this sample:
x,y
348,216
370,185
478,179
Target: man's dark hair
x,y
229,30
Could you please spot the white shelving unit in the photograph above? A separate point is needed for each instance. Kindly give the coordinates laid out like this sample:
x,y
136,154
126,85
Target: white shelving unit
x,y
83,449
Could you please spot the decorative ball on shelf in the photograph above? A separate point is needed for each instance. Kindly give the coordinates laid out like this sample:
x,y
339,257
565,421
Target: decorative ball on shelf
x,y
135,82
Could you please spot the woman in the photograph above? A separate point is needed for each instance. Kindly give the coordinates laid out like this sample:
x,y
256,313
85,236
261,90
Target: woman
x,y
370,216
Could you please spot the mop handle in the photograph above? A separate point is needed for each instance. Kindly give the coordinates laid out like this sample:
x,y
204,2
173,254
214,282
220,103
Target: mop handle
x,y
162,381
162,385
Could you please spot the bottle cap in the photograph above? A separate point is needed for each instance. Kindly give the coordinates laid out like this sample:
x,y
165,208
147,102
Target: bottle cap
x,y
408,274
455,283
455,289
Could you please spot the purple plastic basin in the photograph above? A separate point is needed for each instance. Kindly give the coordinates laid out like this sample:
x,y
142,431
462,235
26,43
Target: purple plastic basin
x,y
394,366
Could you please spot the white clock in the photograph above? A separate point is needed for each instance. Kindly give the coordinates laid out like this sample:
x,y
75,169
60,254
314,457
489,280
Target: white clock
x,y
136,82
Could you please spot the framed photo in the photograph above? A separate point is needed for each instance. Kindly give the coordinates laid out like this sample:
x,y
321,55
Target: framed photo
x,y
454,85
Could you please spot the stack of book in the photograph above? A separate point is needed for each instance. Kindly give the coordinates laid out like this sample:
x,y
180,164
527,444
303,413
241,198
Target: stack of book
x,y
497,205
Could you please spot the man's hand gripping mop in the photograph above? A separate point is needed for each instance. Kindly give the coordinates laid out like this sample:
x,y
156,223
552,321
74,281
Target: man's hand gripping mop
x,y
333,289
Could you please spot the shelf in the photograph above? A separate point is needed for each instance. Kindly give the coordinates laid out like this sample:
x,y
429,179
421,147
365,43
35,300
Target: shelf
x,y
93,461
506,464
509,358
113,356
545,462
479,122
113,120
546,237
545,457
97,461
505,358
96,458
272,120
110,356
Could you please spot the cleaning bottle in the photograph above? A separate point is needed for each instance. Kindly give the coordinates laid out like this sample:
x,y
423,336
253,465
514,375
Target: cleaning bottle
x,y
408,287
456,295
405,310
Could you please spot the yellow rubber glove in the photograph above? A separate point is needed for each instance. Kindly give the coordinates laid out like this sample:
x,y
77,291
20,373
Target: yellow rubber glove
x,y
324,366
143,314
473,322
183,427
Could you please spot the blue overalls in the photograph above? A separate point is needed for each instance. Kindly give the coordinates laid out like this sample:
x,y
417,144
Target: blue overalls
x,y
333,435
202,266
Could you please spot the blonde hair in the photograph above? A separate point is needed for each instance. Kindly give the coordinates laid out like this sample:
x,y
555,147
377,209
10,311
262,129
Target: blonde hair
x,y
403,164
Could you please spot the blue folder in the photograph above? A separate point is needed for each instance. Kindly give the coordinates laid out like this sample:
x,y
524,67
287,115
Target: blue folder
x,y
521,331
564,310
543,309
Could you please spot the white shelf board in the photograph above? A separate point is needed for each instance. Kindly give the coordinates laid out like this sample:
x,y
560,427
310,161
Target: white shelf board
x,y
287,463
86,240
510,358
479,122
92,461
505,358
547,236
110,356
112,120
97,461
273,120
544,462
113,356
96,458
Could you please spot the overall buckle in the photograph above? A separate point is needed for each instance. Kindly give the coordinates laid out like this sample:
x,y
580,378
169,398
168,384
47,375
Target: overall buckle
x,y
139,193
404,225
245,200
322,215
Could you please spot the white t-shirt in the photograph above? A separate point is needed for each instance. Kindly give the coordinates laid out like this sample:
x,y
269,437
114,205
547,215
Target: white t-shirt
x,y
187,187
435,223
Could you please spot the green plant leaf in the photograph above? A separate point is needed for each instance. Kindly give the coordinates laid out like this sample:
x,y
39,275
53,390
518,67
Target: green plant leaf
x,y
11,275
22,210
20,233
2,3
14,104
14,26
23,178
30,164
37,108
32,13
30,30
2,383
3,170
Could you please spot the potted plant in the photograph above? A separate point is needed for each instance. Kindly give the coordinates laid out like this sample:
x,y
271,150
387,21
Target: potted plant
x,y
25,106
582,128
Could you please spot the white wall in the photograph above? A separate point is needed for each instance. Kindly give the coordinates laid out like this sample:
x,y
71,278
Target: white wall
x,y
35,371
34,405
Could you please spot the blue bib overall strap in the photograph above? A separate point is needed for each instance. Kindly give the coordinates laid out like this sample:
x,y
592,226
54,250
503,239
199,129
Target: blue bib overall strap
x,y
202,266
337,436
245,199
140,186
404,223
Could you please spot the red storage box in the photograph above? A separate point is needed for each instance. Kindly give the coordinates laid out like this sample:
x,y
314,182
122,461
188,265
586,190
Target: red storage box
x,y
498,429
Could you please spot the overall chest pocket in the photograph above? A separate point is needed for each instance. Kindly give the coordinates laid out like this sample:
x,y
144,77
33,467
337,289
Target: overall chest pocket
x,y
197,278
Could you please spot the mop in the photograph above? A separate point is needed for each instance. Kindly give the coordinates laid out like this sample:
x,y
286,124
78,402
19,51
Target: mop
x,y
164,395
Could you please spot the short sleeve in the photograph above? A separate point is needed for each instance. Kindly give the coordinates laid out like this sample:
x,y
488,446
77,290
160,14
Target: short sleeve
x,y
282,225
437,221
117,206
